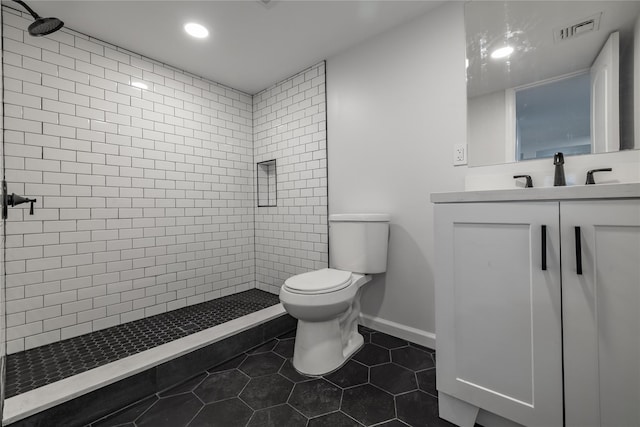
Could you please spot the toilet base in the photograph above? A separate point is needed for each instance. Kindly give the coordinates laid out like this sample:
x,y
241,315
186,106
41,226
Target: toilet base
x,y
319,348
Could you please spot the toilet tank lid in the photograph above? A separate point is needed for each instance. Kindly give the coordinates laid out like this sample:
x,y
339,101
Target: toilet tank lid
x,y
360,217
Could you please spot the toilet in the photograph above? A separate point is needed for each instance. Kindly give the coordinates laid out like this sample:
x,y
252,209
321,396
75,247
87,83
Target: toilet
x,y
327,302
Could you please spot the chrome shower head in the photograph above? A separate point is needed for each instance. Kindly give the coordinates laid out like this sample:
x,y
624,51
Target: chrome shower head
x,y
41,26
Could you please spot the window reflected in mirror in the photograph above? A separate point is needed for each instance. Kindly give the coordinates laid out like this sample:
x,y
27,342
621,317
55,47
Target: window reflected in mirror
x,y
553,116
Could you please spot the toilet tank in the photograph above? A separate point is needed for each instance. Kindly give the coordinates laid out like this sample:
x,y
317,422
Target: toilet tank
x,y
358,242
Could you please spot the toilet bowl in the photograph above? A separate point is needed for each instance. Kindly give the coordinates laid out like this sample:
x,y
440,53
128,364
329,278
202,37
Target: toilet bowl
x,y
326,302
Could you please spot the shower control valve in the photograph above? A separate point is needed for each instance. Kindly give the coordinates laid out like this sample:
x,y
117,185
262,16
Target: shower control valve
x,y
14,200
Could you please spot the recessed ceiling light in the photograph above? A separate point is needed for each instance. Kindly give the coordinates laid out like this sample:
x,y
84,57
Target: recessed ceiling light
x,y
196,30
139,85
502,52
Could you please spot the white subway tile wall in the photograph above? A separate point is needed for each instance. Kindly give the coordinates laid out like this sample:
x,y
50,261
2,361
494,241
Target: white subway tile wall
x,y
145,198
289,121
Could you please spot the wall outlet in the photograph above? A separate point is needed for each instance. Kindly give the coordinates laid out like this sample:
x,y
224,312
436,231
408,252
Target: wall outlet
x,y
460,154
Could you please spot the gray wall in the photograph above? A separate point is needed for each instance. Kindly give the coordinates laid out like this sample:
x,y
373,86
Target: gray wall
x,y
396,107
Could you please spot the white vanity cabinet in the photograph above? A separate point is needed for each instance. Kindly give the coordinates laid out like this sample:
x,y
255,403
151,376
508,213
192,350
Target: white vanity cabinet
x,y
498,312
538,307
601,312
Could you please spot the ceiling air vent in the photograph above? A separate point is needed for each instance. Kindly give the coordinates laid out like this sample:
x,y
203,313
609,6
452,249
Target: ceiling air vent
x,y
575,29
266,3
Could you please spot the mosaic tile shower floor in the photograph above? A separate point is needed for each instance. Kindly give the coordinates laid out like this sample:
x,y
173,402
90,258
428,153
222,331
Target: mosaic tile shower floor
x,y
37,367
389,382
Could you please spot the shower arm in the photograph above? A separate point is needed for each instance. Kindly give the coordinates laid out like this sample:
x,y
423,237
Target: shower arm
x,y
23,4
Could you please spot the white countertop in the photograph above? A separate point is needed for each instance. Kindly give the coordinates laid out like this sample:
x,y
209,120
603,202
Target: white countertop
x,y
576,192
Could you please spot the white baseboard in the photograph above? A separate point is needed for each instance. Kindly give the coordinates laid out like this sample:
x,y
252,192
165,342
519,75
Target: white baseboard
x,y
417,336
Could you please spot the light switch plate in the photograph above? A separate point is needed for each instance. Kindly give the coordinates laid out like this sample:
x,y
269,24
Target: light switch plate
x,y
460,154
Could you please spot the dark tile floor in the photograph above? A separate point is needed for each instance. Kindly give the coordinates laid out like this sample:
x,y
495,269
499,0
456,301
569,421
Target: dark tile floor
x,y
389,382
34,368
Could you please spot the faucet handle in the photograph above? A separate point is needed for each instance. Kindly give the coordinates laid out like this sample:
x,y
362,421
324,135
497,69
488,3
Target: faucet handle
x,y
558,159
590,174
529,183
15,200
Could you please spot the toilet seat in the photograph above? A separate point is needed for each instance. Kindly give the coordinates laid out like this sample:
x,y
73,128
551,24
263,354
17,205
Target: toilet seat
x,y
318,282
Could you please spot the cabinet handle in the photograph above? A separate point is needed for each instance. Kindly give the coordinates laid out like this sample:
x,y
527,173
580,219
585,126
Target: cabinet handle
x,y
544,247
578,252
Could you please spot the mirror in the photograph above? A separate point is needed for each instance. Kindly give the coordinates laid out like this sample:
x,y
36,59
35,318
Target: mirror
x,y
567,78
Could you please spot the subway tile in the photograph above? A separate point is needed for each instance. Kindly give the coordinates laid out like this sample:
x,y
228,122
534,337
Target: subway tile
x,y
170,172
73,98
59,323
23,49
40,66
23,100
12,123
89,91
75,53
89,46
22,74
91,69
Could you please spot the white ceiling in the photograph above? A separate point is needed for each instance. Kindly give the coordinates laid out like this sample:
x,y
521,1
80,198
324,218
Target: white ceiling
x,y
529,26
250,47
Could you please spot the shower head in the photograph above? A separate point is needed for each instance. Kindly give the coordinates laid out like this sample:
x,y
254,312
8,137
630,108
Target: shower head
x,y
41,26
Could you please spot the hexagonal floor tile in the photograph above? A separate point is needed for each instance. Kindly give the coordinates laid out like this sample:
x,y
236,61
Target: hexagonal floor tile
x,y
278,416
171,411
412,358
371,354
229,364
127,415
393,378
366,333
419,409
387,341
261,364
334,419
266,391
285,348
427,381
352,373
368,404
421,347
226,413
393,423
290,372
365,330
268,346
184,387
315,397
221,385
290,334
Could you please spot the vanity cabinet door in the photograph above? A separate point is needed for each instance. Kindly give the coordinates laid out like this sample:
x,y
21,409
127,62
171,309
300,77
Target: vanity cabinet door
x,y
498,311
601,312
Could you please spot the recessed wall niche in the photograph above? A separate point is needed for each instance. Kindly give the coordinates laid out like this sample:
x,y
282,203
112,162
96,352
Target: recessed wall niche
x,y
266,173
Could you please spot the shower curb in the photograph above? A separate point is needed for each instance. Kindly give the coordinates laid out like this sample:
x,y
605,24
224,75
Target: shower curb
x,y
131,379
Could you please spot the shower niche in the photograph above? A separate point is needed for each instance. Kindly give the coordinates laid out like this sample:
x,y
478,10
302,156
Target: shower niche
x,y
266,183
